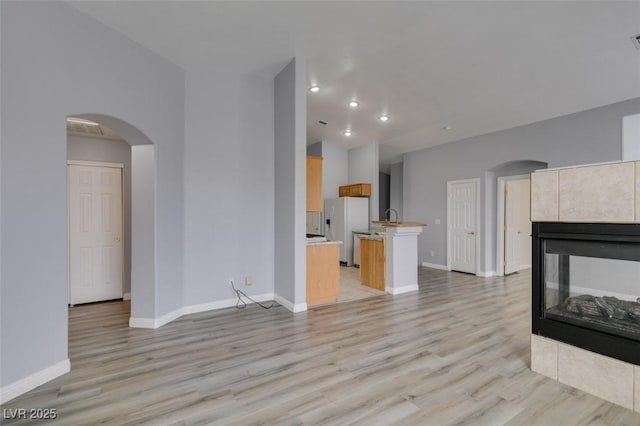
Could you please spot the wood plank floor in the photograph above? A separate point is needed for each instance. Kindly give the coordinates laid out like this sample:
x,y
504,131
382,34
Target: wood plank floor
x,y
456,352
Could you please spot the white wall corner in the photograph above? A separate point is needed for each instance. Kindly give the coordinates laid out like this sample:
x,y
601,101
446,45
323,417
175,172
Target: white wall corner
x,y
293,307
434,266
34,380
486,274
401,289
126,296
156,322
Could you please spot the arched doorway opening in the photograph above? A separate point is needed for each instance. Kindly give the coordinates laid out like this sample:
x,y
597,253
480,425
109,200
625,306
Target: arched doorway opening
x,y
139,228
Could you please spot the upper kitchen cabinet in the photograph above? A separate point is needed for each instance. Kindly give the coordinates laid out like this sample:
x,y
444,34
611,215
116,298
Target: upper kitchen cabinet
x,y
355,190
314,184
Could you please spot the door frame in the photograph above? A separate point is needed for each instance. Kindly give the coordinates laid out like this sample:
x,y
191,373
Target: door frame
x,y
450,183
92,164
502,186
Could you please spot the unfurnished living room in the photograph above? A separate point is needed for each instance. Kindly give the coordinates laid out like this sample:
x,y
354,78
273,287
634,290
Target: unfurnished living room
x,y
320,213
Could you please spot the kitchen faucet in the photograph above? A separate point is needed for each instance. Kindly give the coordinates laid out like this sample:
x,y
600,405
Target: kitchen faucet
x,y
387,215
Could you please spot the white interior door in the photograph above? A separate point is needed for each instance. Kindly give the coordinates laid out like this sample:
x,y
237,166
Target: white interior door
x,y
517,225
95,233
463,226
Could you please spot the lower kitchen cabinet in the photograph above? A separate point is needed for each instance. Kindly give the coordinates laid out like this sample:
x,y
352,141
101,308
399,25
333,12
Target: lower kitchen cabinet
x,y
323,273
372,263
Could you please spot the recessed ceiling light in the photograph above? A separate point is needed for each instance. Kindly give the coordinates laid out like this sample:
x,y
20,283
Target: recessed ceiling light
x,y
447,127
314,89
347,132
383,118
353,104
81,121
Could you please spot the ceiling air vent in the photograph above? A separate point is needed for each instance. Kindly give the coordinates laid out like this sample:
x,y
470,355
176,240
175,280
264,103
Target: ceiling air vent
x,y
84,129
324,123
636,41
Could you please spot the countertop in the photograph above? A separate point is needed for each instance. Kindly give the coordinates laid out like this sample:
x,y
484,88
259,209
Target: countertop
x,y
374,237
323,243
388,224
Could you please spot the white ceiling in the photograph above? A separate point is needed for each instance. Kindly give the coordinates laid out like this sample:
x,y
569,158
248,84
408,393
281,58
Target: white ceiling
x,y
477,66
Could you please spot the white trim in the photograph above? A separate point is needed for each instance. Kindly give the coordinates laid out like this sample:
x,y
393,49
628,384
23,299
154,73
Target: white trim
x,y
502,182
434,266
402,289
155,322
226,303
193,309
477,231
126,296
34,380
293,307
95,164
486,274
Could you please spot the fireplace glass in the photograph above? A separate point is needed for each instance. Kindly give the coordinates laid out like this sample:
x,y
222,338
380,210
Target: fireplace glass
x,y
593,285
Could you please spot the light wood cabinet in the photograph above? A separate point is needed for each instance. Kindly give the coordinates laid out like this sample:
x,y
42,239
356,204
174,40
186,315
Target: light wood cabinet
x,y
355,190
372,263
314,184
323,273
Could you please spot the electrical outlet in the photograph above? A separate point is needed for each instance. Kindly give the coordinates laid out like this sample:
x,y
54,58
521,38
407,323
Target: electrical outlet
x,y
231,282
248,280
431,253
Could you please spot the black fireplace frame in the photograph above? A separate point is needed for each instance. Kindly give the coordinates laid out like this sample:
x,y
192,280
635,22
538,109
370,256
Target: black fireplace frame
x,y
616,346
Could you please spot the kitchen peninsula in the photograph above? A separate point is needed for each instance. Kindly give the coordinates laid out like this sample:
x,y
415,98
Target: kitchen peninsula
x,y
323,271
401,255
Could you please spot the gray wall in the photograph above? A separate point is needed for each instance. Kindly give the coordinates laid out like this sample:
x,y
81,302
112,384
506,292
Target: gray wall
x,y
143,268
335,169
290,114
43,82
315,149
363,168
384,183
395,188
229,186
585,137
112,151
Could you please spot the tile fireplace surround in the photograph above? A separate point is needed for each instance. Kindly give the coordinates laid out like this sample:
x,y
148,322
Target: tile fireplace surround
x,y
600,193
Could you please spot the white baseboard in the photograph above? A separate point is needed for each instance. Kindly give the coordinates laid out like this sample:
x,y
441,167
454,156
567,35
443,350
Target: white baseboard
x,y
486,274
34,380
434,266
126,296
293,307
401,289
155,322
192,309
226,303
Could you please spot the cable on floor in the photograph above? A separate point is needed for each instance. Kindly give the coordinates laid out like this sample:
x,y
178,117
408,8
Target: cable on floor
x,y
241,304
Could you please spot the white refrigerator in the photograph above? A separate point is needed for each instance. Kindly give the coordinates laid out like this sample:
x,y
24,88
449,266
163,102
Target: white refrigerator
x,y
343,216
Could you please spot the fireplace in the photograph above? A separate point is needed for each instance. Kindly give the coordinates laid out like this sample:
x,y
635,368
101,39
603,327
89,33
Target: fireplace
x,y
586,286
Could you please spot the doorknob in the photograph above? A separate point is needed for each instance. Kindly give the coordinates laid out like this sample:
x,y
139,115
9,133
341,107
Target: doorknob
x,y
116,239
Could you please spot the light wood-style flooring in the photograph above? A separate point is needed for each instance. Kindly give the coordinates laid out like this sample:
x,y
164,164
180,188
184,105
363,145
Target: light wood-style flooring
x,y
456,352
351,287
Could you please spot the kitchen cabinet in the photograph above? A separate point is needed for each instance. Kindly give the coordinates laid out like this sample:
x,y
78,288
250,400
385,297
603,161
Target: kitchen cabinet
x,y
372,263
314,184
323,273
355,190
